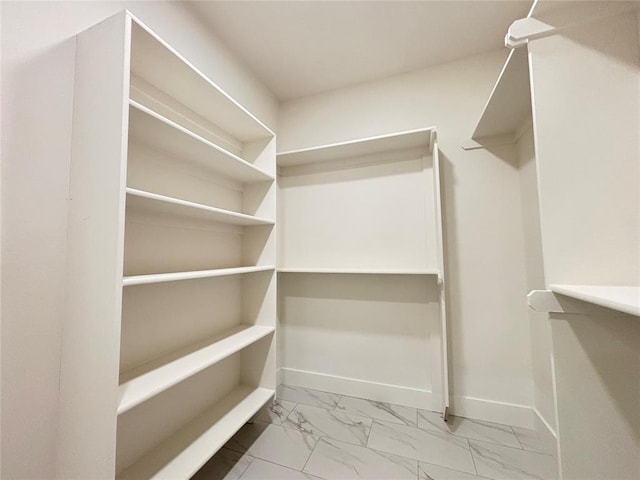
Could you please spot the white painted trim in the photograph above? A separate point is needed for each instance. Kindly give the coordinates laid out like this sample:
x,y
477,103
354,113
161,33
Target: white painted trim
x,y
492,411
382,392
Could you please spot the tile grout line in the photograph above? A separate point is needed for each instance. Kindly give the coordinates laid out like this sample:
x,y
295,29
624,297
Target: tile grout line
x,y
248,465
309,457
472,457
516,435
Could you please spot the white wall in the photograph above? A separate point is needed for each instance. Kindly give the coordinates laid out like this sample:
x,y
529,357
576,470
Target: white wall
x,y
541,349
483,219
37,93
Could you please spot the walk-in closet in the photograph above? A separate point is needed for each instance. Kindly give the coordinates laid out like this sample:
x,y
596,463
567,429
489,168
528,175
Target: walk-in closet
x,y
312,240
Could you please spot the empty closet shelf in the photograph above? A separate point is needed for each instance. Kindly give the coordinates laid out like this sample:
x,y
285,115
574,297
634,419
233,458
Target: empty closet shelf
x,y
184,452
172,277
360,271
163,205
622,299
136,388
413,139
151,128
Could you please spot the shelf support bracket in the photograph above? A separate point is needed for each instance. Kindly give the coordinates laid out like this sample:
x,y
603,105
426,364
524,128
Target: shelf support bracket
x,y
525,29
547,301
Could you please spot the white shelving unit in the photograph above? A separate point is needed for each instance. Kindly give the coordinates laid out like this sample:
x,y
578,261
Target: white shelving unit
x,y
171,241
369,208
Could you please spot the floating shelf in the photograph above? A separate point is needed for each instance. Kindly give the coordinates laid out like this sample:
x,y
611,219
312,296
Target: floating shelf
x,y
189,448
622,299
159,64
137,387
160,204
509,105
151,128
172,277
422,138
359,271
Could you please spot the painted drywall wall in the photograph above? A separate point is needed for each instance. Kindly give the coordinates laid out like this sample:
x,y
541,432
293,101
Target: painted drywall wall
x,y
37,99
541,349
490,352
592,235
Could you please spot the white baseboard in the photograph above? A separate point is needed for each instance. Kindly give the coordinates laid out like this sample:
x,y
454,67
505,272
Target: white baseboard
x,y
476,408
381,392
492,411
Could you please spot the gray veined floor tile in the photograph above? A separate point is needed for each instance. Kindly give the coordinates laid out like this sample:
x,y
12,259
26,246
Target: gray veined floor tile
x,y
504,463
334,460
330,423
307,396
536,442
425,445
275,443
379,410
275,412
224,465
428,471
469,428
261,470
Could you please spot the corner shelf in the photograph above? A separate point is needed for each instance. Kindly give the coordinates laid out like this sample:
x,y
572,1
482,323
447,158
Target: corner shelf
x,y
359,271
509,105
151,128
622,299
144,382
190,447
163,205
172,277
418,139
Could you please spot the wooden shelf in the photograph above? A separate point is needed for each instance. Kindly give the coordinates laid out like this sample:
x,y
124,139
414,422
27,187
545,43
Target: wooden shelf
x,y
413,139
159,64
359,271
509,105
172,277
146,381
162,205
160,133
623,299
184,452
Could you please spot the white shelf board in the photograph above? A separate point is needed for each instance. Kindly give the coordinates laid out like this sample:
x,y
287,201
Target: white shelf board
x,y
172,277
412,139
137,387
152,129
163,205
359,271
184,452
155,61
509,104
622,299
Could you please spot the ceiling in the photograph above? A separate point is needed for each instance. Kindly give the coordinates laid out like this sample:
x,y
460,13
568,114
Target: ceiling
x,y
300,48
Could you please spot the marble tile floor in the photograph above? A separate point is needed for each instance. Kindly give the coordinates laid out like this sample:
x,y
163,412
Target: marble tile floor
x,y
309,434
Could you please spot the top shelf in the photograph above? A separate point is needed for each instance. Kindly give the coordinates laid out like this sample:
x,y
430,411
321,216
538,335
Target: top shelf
x,y
622,299
509,105
413,139
160,65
